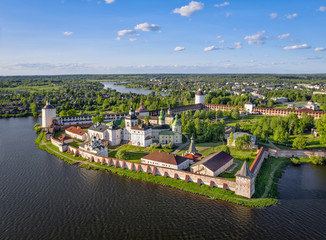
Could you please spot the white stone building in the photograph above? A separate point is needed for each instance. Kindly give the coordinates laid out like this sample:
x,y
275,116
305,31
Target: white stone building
x,y
110,133
199,97
174,136
141,135
249,107
163,159
76,132
95,147
130,121
48,114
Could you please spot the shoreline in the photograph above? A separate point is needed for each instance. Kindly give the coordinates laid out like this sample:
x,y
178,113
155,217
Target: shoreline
x,y
213,193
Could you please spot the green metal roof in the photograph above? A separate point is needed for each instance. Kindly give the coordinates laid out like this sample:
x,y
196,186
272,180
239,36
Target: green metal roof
x,y
176,122
166,133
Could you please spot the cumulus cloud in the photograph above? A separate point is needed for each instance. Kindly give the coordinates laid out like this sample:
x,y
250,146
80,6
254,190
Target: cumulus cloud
x,y
67,33
219,36
291,16
178,49
273,15
319,49
284,36
321,9
221,41
211,48
222,4
146,27
258,38
237,45
109,1
228,14
189,9
132,39
126,32
302,46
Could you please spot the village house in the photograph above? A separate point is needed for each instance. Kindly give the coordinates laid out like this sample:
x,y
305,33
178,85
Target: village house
x,y
240,134
213,164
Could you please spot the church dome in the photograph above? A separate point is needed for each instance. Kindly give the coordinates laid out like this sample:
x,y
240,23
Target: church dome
x,y
176,122
162,116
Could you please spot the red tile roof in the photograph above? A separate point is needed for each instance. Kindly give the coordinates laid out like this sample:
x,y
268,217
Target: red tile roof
x,y
63,138
258,159
164,157
75,130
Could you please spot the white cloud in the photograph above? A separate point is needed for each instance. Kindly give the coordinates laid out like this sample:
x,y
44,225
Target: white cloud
x,y
222,4
211,48
146,27
189,9
132,39
273,15
109,1
118,38
258,38
284,36
291,16
237,45
125,32
222,41
178,49
318,49
321,9
67,33
228,14
302,46
219,36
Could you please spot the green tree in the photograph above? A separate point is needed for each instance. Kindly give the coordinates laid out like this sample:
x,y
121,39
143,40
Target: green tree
x,y
299,142
33,108
235,114
63,113
321,127
231,139
226,149
122,154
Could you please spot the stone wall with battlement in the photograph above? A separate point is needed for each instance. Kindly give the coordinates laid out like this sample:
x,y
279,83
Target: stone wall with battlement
x,y
154,170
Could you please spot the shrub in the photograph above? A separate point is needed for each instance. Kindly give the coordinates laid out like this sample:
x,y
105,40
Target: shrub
x,y
122,154
295,161
316,160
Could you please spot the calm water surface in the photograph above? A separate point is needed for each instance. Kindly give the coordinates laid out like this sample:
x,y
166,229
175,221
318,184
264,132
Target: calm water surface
x,y
123,89
41,197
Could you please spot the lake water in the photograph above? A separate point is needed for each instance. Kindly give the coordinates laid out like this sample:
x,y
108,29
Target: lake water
x,y
123,89
42,197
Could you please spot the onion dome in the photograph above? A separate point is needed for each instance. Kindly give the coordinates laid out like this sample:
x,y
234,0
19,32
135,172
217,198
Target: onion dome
x,y
176,121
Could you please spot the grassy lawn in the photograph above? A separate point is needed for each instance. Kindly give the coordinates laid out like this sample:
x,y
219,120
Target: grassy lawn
x,y
143,149
74,144
135,157
264,175
231,175
58,134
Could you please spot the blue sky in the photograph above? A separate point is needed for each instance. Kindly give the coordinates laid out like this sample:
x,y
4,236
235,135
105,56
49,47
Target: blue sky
x,y
170,36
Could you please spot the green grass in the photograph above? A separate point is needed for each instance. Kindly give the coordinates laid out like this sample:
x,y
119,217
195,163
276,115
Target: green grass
x,y
231,175
134,157
131,148
213,193
264,175
50,145
58,134
74,144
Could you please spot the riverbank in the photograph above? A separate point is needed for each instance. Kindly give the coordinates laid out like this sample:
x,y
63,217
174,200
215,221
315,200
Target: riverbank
x,y
213,193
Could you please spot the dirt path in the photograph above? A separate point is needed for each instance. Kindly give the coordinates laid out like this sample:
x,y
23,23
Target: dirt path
x,y
270,181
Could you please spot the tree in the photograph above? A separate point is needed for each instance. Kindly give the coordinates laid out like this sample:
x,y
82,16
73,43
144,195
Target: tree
x,y
98,119
34,109
321,128
243,142
299,142
226,149
317,160
231,138
235,114
122,154
147,118
72,112
63,113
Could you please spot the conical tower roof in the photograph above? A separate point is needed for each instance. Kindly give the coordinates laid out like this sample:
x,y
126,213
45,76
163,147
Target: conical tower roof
x,y
192,149
244,171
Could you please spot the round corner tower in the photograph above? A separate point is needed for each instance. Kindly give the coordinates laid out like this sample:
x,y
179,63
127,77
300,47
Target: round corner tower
x,y
48,114
200,97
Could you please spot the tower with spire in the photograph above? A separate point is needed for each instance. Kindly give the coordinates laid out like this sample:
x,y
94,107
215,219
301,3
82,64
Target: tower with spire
x,y
245,182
